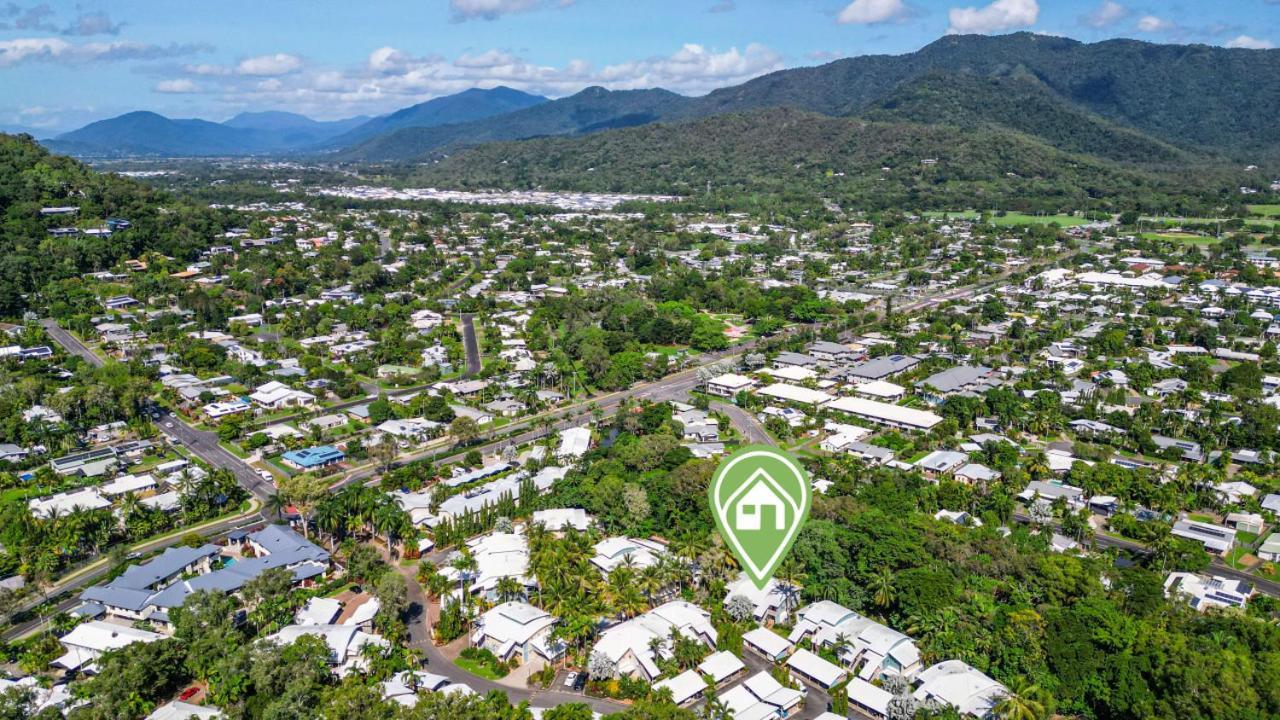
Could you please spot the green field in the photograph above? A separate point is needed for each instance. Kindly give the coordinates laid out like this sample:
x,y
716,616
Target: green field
x,y
1022,219
1258,220
1011,219
1184,238
1264,210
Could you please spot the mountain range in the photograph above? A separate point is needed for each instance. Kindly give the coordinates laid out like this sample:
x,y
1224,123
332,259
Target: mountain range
x,y
1119,101
274,132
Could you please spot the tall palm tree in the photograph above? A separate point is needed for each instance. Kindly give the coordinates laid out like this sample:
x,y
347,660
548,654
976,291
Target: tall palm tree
x,y
882,588
1024,701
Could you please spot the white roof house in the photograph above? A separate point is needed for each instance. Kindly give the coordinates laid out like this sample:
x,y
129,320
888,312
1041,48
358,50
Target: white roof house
x,y
721,666
497,555
761,696
318,611
795,394
961,686
517,629
275,395
560,518
769,603
1205,591
880,389
345,643
767,643
887,414
574,442
627,644
127,484
729,384
685,687
66,503
868,698
814,669
615,551
873,650
88,641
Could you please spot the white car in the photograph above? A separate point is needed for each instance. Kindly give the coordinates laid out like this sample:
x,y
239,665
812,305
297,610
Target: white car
x,y
570,680
169,425
266,475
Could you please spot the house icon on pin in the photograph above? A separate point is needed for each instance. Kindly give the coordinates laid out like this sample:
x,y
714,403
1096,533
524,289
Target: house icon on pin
x,y
760,494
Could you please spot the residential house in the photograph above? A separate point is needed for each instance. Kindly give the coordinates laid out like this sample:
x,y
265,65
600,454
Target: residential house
x,y
1208,591
517,630
630,646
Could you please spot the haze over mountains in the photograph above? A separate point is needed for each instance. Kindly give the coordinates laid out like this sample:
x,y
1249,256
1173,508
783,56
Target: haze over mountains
x,y
1122,101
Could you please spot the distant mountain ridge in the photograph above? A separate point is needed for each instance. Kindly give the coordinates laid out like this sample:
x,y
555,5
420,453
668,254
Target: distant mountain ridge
x,y
466,106
1181,97
254,133
1123,100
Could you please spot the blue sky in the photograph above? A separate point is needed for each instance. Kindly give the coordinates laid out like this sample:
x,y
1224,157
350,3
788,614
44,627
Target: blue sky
x,y
66,63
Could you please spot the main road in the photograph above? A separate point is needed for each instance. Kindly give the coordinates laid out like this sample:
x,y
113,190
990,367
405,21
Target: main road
x,y
202,444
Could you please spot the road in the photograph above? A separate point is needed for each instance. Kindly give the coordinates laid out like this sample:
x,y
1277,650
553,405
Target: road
x,y
420,639
203,445
472,344
70,342
1263,585
746,423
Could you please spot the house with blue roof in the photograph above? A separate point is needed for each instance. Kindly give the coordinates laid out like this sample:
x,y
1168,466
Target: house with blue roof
x,y
151,590
313,458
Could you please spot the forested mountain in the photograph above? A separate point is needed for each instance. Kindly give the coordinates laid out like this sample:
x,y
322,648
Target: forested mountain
x,y
466,106
32,260
255,133
148,133
780,150
591,110
1021,103
1126,99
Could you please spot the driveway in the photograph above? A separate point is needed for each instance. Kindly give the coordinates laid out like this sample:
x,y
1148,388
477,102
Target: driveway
x,y
420,640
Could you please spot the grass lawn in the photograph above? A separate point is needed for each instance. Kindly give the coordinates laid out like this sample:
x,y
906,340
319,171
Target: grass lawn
x,y
1201,517
1184,238
1013,218
1022,219
476,667
1264,210
1239,558
959,214
1246,539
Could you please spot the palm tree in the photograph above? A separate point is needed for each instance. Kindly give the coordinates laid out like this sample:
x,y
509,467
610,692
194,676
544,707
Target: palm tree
x,y
1025,701
508,589
275,504
882,588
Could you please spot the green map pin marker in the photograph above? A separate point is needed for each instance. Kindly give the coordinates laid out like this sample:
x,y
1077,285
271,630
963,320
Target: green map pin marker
x,y
760,498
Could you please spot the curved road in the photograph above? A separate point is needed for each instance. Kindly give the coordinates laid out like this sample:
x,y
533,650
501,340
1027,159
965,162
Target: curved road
x,y
437,663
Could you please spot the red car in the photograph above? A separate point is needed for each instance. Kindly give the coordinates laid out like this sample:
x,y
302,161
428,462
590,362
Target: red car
x,y
188,693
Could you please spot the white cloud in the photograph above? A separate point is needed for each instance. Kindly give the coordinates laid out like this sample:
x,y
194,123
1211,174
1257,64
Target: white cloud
x,y
999,15
270,65
1250,43
494,9
1105,15
868,12
23,50
1153,24
392,78
207,69
176,87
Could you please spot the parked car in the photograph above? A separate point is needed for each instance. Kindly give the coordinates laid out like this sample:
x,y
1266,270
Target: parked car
x,y
571,680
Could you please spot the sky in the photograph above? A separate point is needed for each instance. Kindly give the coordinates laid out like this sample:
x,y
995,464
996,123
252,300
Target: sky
x,y
66,63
